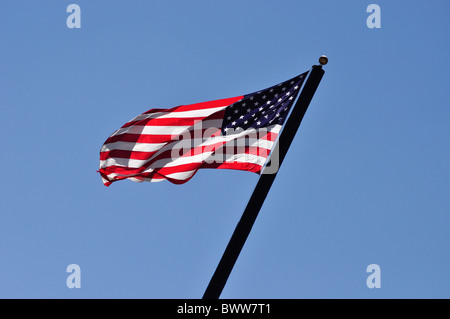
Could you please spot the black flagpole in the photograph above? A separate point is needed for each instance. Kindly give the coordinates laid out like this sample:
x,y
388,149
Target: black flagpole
x,y
256,201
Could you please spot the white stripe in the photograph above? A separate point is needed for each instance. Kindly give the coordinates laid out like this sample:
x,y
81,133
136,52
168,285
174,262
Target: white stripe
x,y
168,130
134,179
154,179
132,146
180,114
246,158
104,180
179,176
254,134
163,162
170,162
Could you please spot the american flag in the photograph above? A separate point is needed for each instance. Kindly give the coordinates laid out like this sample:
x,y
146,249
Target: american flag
x,y
173,144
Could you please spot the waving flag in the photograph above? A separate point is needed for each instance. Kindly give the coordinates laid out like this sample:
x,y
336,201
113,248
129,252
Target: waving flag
x,y
173,144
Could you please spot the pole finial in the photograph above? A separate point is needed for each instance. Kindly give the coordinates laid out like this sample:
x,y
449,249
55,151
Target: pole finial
x,y
323,60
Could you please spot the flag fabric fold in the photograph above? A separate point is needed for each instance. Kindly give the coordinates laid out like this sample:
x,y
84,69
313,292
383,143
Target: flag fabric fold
x,y
173,144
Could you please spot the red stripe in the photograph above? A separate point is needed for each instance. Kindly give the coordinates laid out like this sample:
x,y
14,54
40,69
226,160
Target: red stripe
x,y
126,154
165,122
270,136
255,168
226,149
139,138
133,172
174,121
198,106
252,167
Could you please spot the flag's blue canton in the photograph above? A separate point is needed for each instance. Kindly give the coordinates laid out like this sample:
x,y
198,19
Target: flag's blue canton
x,y
263,108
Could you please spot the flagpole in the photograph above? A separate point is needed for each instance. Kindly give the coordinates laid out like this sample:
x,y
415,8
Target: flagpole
x,y
245,224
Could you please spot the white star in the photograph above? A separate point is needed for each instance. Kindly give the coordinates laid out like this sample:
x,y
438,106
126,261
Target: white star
x,y
276,95
248,110
229,118
287,93
271,90
279,100
251,98
261,108
244,104
256,103
225,129
258,123
283,89
292,82
238,128
263,96
233,123
235,111
268,102
291,98
278,114
296,87
245,122
241,117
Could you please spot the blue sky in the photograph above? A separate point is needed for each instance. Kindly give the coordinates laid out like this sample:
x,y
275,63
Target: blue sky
x,y
366,180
